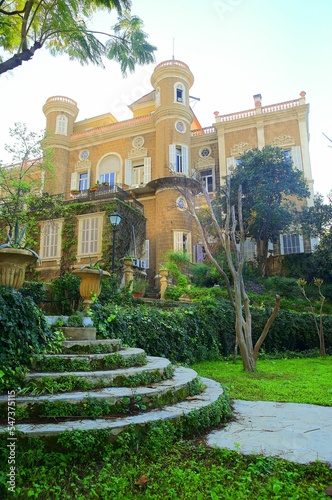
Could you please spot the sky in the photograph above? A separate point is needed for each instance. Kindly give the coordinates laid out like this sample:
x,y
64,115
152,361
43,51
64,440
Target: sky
x,y
234,48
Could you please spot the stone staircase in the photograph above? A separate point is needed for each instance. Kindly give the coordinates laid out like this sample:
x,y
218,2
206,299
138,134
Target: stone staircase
x,y
96,385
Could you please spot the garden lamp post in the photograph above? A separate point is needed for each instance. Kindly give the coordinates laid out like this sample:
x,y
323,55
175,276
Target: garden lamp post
x,y
115,220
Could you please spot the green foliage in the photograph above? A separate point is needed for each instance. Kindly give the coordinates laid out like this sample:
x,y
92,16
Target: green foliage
x,y
64,28
23,333
65,293
267,180
182,334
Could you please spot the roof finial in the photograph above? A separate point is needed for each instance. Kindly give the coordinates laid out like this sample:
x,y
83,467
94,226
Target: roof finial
x,y
173,50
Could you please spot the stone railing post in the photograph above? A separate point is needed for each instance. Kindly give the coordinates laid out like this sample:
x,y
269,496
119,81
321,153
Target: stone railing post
x,y
163,282
128,272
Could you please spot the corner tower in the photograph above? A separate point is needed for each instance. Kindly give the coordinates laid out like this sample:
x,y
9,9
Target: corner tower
x,y
173,117
172,81
61,113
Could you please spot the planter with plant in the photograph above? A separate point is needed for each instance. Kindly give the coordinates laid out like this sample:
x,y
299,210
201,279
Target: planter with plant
x,y
76,327
91,283
139,286
19,183
14,259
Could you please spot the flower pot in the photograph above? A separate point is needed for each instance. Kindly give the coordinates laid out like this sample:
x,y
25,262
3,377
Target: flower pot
x,y
13,264
90,285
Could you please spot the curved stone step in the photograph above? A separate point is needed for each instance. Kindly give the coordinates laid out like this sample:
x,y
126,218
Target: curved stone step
x,y
91,346
115,400
155,370
91,362
192,406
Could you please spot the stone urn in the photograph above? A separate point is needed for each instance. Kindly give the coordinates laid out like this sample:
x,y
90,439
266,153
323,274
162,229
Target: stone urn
x,y
163,282
13,264
90,285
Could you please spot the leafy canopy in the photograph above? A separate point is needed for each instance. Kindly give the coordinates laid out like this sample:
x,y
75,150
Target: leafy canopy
x,y
270,187
64,27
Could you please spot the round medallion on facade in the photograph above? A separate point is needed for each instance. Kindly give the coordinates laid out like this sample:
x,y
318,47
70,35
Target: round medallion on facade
x,y
180,127
205,152
181,203
138,142
84,155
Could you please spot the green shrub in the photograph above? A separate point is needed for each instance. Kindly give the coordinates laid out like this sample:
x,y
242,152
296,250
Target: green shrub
x,y
23,332
201,330
173,293
183,334
65,294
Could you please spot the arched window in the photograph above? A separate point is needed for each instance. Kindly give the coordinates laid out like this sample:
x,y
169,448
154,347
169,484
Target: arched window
x,y
179,93
109,169
61,125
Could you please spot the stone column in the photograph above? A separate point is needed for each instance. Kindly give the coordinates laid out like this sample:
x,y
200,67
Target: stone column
x,y
163,282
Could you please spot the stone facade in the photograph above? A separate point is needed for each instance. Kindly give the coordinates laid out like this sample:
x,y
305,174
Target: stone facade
x,y
163,139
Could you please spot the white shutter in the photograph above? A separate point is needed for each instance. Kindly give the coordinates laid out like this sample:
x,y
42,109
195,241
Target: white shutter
x,y
178,241
74,181
172,157
147,169
296,157
189,246
89,177
185,159
128,172
230,164
147,254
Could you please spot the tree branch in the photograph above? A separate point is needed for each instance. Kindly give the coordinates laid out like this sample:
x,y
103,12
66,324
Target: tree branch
x,y
266,327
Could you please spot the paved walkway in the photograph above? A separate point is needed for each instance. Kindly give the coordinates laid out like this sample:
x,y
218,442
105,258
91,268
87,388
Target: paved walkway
x,y
296,432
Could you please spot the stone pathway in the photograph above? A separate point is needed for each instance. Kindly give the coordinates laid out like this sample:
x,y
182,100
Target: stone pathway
x,y
299,433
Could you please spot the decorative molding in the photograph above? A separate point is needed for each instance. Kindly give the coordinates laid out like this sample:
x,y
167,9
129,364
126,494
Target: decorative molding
x,y
137,153
283,140
205,162
138,142
240,148
137,150
83,165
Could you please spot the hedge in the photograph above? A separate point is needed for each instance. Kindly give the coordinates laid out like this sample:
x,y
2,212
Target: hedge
x,y
204,330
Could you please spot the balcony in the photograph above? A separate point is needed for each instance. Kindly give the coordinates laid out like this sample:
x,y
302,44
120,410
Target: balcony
x,y
105,193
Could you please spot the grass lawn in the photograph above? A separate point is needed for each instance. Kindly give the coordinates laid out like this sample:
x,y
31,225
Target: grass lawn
x,y
304,380
161,470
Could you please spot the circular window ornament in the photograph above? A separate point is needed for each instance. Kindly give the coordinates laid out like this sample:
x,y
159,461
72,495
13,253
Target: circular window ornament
x,y
84,155
181,203
180,127
138,142
205,152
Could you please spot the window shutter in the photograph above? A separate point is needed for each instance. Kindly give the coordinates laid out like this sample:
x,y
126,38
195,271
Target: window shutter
x,y
185,161
172,157
147,254
189,246
89,177
112,179
296,158
74,181
230,164
178,241
128,172
147,169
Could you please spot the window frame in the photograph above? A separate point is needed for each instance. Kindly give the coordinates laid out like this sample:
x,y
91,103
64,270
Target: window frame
x,y
56,240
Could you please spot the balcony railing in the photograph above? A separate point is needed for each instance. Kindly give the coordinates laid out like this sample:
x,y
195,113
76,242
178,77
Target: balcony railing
x,y
107,192
203,131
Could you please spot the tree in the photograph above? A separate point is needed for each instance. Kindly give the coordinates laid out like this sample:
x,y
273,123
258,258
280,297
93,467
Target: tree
x,y
23,179
317,221
231,237
270,186
62,26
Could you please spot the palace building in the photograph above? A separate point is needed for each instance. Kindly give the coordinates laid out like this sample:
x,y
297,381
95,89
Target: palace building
x,y
99,158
